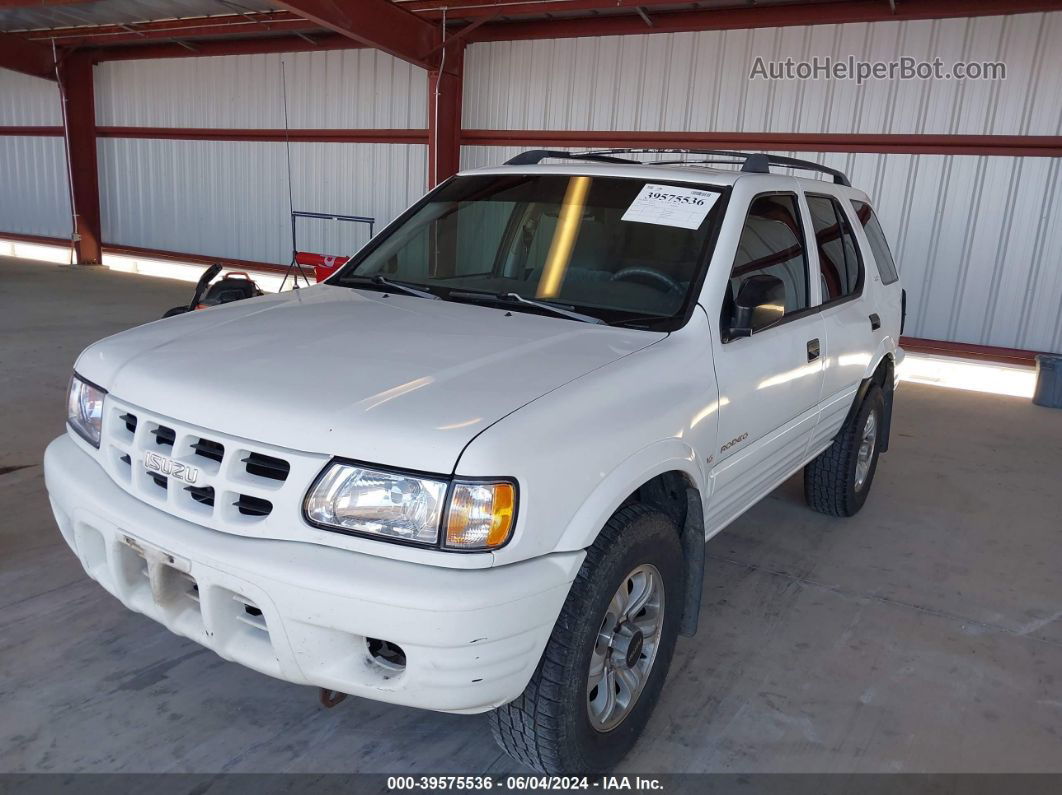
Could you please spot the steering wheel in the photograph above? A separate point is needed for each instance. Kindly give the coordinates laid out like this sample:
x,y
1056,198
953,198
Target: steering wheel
x,y
640,274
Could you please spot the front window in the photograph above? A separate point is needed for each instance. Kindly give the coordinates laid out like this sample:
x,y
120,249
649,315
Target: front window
x,y
625,251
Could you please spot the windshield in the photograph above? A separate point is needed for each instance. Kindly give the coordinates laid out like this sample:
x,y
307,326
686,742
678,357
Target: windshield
x,y
612,248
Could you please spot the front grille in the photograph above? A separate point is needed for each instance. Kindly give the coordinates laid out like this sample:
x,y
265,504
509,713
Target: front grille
x,y
165,437
206,448
204,495
225,482
265,466
253,506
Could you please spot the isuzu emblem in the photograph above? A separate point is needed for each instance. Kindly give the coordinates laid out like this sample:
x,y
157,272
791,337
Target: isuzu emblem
x,y
170,468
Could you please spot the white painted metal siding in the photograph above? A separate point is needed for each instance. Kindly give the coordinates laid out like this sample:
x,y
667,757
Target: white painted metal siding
x,y
230,199
28,101
336,89
700,81
34,197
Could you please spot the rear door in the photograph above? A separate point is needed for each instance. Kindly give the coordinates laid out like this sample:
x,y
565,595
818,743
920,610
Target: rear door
x,y
770,382
851,324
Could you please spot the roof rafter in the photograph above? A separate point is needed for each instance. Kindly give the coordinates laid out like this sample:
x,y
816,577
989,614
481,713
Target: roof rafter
x,y
374,23
28,57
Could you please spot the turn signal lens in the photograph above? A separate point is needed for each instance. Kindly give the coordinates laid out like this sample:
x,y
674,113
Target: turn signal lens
x,y
481,515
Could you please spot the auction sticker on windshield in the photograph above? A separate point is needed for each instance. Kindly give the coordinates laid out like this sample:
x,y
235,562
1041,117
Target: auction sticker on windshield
x,y
667,205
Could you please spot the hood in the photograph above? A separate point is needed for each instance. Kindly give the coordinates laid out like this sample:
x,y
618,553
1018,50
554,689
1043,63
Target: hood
x,y
396,380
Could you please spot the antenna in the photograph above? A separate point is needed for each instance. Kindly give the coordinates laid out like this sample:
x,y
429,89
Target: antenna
x,y
294,267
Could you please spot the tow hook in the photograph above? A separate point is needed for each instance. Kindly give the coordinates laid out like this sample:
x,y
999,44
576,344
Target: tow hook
x,y
330,698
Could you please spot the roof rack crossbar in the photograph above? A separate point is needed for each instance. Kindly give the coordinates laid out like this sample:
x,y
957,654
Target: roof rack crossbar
x,y
533,156
751,162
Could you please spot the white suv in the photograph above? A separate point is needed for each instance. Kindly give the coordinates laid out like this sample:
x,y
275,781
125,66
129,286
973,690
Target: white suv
x,y
477,468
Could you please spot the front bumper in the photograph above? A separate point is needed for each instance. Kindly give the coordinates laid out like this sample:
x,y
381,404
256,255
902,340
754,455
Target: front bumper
x,y
303,612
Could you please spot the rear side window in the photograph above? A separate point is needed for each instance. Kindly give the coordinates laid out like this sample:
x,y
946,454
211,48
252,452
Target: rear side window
x,y
840,268
878,245
772,243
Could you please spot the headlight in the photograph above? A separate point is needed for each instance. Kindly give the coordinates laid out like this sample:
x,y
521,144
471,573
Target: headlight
x,y
409,507
387,504
84,409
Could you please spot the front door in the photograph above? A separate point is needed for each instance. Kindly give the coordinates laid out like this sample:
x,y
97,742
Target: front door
x,y
769,382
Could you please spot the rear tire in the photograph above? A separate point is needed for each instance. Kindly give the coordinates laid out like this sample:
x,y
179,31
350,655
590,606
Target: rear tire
x,y
555,726
837,482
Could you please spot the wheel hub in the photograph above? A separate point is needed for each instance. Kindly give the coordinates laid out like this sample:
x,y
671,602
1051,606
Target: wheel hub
x,y
626,646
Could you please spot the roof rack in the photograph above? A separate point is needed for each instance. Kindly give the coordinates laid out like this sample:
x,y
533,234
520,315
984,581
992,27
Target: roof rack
x,y
750,162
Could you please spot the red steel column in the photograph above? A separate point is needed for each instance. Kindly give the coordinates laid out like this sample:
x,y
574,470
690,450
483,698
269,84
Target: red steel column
x,y
444,115
76,75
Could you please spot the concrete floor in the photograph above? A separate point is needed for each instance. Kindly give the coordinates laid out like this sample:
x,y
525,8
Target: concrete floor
x,y
923,635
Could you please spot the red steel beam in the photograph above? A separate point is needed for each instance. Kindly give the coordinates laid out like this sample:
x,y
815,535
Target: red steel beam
x,y
373,23
319,135
28,57
1000,145
757,17
33,131
76,76
471,9
132,52
444,116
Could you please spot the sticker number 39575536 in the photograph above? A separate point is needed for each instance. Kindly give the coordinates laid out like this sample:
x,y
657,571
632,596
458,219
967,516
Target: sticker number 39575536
x,y
668,205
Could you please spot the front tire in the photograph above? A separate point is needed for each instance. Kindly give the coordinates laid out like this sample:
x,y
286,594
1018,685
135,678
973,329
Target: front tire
x,y
837,482
605,663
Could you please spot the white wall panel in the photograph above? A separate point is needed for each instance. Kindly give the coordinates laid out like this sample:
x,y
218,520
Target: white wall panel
x,y
976,239
700,81
28,101
230,199
335,89
34,193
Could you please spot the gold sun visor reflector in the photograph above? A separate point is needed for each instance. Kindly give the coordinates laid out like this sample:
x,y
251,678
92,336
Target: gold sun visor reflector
x,y
564,238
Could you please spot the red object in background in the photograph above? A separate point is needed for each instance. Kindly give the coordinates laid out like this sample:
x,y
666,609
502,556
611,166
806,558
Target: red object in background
x,y
323,265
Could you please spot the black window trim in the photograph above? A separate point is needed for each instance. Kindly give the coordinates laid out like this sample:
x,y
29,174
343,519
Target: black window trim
x,y
858,292
791,316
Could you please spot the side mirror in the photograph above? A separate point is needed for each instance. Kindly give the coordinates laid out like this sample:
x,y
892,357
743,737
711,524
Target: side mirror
x,y
759,303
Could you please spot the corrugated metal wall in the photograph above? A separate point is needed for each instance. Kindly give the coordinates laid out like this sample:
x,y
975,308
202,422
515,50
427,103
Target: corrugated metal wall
x,y
336,89
230,198
700,81
977,238
34,192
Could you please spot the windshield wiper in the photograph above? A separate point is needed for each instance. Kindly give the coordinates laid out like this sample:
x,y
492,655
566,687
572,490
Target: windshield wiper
x,y
515,298
383,281
641,319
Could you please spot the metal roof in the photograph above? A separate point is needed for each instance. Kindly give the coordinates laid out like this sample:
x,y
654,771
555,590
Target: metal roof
x,y
119,12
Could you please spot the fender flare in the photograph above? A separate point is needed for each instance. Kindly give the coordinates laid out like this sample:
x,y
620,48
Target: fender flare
x,y
669,455
887,388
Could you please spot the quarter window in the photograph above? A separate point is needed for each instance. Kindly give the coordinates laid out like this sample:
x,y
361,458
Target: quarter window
x,y
840,269
879,247
772,244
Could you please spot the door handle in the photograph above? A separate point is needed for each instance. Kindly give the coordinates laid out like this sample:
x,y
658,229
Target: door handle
x,y
813,349
875,322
